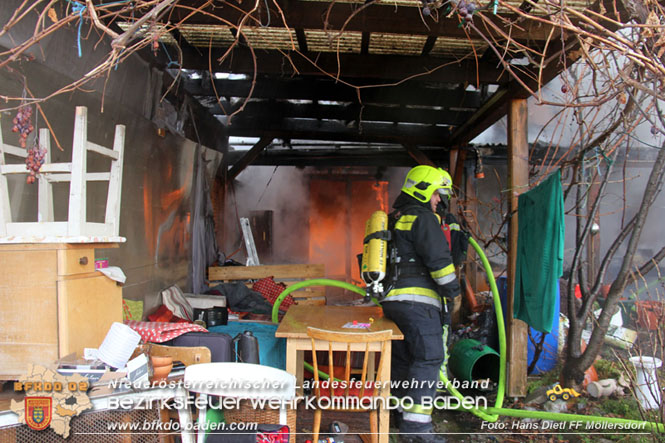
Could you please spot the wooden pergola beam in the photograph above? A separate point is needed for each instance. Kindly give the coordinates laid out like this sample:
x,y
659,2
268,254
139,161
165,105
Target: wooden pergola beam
x,y
330,130
375,66
518,182
321,89
418,156
267,110
248,158
497,106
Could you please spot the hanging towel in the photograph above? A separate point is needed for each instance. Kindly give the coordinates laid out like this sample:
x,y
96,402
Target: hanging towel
x,y
539,253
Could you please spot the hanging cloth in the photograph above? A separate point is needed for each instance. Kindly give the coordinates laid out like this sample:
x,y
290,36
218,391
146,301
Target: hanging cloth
x,y
540,240
204,243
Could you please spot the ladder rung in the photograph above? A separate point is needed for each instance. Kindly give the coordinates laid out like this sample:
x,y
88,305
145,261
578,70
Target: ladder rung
x,y
13,150
102,150
90,176
47,168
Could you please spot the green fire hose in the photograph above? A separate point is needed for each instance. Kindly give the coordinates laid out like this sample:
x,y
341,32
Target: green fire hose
x,y
502,344
304,284
490,414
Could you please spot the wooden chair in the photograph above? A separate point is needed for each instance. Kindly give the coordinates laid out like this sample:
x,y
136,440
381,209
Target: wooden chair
x,y
355,342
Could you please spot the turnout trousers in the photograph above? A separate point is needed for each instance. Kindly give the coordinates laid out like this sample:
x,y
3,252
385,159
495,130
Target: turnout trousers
x,y
417,359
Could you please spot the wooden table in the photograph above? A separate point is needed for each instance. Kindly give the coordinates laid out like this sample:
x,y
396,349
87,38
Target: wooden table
x,y
294,328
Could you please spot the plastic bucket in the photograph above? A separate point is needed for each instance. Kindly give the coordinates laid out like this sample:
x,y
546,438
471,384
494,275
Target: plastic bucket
x,y
471,360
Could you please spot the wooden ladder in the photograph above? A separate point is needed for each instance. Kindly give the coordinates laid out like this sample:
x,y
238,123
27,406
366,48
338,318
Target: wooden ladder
x,y
76,228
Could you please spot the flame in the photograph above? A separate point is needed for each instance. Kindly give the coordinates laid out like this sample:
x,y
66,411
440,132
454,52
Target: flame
x,y
381,189
338,213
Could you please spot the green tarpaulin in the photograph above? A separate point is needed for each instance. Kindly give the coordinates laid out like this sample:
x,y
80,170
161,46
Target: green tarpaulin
x,y
539,253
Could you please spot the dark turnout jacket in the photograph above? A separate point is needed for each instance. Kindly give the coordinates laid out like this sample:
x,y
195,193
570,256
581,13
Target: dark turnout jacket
x,y
425,271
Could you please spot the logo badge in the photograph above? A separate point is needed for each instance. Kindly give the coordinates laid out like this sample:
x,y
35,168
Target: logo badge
x,y
38,412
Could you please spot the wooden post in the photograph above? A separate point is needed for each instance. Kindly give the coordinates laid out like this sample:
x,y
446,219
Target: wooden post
x,y
518,181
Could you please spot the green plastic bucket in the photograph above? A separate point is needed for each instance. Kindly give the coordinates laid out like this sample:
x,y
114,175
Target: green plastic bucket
x,y
471,360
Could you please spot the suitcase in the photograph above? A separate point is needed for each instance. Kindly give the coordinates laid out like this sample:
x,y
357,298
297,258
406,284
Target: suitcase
x,y
221,345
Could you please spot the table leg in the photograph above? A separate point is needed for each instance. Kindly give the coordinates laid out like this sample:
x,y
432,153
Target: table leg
x,y
291,363
294,363
384,414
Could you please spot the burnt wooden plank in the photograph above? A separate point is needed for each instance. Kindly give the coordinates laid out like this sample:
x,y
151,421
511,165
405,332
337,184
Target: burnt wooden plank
x,y
302,39
311,129
418,156
355,112
375,66
330,157
316,89
247,159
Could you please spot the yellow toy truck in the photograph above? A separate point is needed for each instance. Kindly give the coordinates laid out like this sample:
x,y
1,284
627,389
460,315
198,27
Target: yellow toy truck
x,y
558,392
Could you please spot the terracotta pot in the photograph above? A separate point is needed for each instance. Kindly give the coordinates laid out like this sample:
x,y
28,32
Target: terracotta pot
x,y
160,361
161,367
161,372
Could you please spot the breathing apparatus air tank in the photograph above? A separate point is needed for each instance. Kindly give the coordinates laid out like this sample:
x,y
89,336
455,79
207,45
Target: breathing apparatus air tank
x,y
375,253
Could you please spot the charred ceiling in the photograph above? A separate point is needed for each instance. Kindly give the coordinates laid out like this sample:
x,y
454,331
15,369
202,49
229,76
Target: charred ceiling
x,y
368,74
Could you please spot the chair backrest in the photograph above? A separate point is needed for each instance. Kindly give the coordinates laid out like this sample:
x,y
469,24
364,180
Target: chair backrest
x,y
240,380
185,354
355,342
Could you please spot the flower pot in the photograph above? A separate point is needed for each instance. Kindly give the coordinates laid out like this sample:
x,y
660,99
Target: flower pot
x,y
649,313
161,367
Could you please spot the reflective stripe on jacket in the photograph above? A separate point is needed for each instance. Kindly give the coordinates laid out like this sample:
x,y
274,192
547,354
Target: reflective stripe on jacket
x,y
420,243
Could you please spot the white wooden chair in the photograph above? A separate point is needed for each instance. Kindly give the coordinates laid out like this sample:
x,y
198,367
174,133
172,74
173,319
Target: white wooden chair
x,y
76,228
237,380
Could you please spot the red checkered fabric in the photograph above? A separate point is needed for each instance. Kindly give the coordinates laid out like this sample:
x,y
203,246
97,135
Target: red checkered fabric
x,y
159,332
271,290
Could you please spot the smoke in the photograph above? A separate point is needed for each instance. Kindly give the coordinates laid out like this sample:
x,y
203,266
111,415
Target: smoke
x,y
318,216
284,191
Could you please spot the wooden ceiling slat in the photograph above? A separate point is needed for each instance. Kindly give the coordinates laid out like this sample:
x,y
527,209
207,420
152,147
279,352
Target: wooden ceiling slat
x,y
371,132
248,158
389,67
302,40
409,93
429,44
340,157
353,113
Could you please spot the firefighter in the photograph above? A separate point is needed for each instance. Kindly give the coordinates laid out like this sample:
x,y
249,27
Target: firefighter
x,y
420,297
